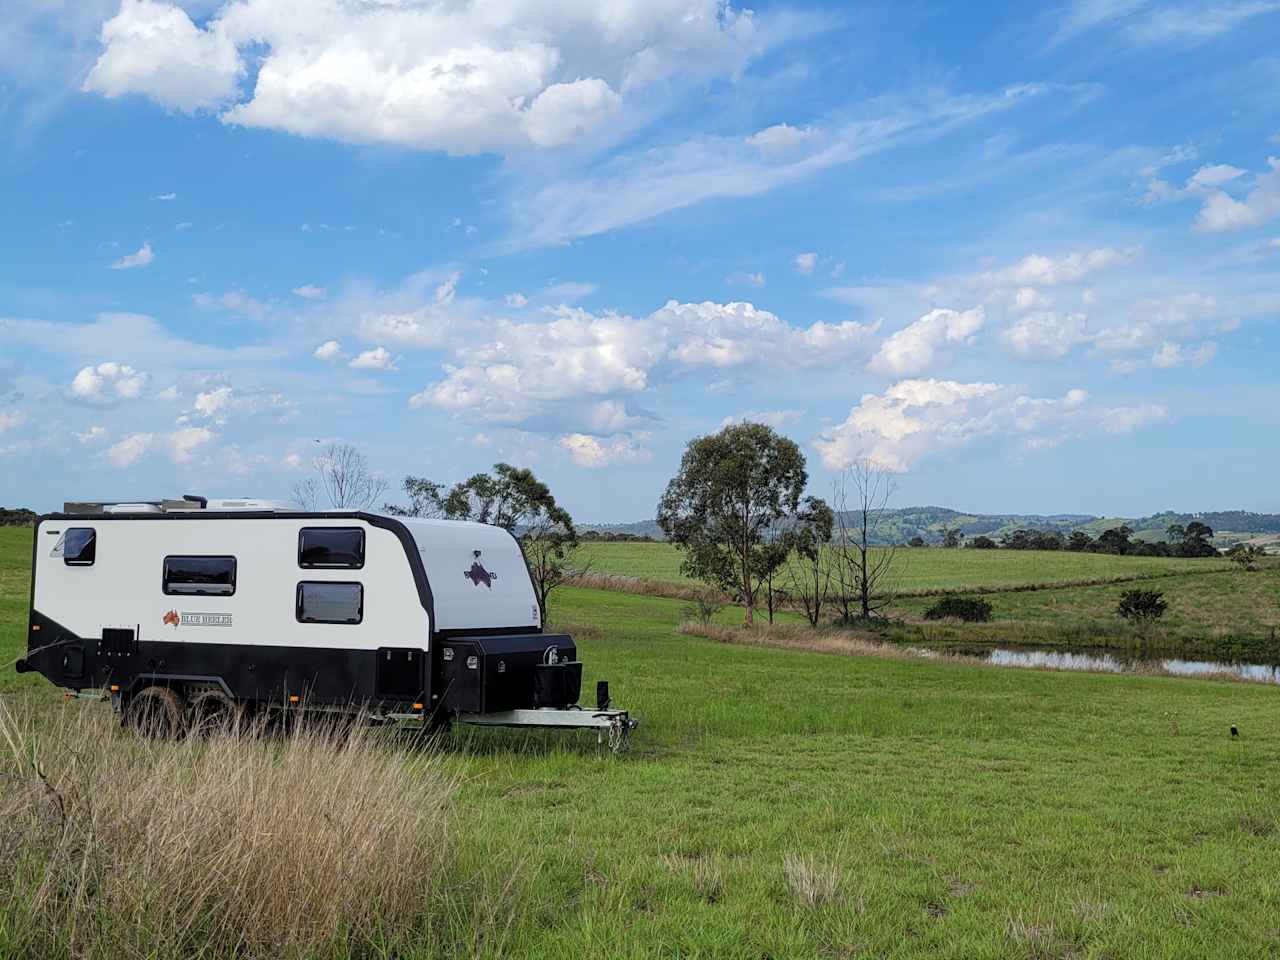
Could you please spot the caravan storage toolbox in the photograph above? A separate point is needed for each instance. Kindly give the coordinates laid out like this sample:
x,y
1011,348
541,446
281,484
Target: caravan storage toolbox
x,y
490,674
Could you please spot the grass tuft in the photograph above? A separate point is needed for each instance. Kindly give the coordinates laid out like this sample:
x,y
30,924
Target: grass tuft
x,y
811,881
311,843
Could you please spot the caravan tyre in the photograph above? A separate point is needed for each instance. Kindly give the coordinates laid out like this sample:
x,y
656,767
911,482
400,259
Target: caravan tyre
x,y
213,712
155,712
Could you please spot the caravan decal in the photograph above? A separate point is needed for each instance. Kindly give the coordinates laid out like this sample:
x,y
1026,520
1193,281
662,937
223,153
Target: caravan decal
x,y
478,574
174,619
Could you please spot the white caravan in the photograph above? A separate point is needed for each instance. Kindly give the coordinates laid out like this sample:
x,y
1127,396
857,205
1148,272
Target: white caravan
x,y
190,610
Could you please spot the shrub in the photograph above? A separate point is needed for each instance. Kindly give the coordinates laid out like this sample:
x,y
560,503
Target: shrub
x,y
968,609
703,609
1247,555
1142,608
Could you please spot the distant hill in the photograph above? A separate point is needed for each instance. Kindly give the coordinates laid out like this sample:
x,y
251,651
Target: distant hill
x,y
930,524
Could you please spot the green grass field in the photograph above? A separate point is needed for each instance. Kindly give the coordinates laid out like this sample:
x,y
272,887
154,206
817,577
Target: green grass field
x,y
927,569
792,805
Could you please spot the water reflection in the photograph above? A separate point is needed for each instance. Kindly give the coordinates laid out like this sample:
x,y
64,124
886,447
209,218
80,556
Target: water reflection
x,y
1111,663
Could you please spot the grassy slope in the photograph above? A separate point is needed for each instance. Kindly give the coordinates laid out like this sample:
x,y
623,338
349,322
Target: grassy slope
x,y
926,569
961,811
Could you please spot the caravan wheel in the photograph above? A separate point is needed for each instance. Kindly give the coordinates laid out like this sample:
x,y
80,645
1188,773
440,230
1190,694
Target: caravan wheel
x,y
213,712
155,712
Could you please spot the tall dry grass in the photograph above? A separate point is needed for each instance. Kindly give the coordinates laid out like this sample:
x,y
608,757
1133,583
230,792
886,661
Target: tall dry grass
x,y
309,843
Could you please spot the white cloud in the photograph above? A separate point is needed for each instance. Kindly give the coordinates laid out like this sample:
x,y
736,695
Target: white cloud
x,y
329,350
1123,420
95,434
1029,298
1038,270
108,383
516,300
435,75
376,359
152,47
129,451
781,136
923,344
594,452
1170,354
1222,212
749,279
1147,23
917,419
10,420
516,372
1045,335
309,291
1174,317
213,402
165,196
182,444
144,256
805,263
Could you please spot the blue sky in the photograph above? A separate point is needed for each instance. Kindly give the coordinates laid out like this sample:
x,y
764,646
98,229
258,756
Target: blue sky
x,y
1027,257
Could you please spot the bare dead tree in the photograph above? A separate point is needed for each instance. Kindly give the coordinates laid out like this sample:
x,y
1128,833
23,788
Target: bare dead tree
x,y
862,569
343,481
810,566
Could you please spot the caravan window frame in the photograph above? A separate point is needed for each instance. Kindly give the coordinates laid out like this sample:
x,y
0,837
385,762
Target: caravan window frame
x,y
91,545
165,579
302,584
361,554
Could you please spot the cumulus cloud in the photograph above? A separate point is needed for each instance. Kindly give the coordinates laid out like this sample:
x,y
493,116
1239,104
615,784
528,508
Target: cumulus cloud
x,y
165,196
516,300
749,279
376,359
129,451
108,382
309,291
94,434
594,452
152,47
329,350
917,419
144,256
212,402
180,445
1045,335
922,345
1261,204
459,77
1038,270
1169,355
805,263
515,372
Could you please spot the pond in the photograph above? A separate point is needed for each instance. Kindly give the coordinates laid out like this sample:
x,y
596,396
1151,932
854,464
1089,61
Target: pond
x,y
1119,663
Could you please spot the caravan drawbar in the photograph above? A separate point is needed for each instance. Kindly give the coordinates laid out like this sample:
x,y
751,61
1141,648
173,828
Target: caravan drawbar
x,y
192,611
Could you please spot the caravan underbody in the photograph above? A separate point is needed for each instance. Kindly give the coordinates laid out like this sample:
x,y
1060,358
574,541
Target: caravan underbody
x,y
176,610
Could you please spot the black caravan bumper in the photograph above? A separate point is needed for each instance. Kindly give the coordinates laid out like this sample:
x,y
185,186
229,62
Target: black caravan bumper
x,y
490,674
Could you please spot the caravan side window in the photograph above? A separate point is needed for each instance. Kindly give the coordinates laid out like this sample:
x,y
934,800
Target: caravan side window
x,y
331,548
329,602
200,576
79,546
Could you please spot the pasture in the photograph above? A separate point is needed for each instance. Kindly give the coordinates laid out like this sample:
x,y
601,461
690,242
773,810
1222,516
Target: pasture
x,y
790,804
930,570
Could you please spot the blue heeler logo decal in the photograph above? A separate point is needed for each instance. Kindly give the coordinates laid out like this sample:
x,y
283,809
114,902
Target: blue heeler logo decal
x,y
478,574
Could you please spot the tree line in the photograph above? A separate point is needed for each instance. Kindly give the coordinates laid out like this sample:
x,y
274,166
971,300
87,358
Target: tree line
x,y
1193,540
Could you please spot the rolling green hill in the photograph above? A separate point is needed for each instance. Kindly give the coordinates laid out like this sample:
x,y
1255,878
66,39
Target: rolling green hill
x,y
931,524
